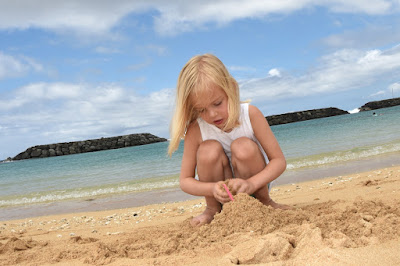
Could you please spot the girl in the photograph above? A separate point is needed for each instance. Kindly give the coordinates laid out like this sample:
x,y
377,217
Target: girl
x,y
223,138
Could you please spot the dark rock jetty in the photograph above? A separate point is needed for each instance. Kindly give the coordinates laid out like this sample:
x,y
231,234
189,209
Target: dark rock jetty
x,y
380,104
303,115
67,148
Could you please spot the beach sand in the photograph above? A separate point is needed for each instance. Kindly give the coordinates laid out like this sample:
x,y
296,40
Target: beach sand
x,y
351,220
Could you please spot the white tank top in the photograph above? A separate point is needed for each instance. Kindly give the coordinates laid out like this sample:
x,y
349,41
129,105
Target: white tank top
x,y
245,129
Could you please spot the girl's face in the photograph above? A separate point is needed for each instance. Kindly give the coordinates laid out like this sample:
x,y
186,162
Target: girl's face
x,y
212,106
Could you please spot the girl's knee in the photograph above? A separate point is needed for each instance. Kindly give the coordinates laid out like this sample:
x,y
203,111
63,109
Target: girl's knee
x,y
209,151
244,148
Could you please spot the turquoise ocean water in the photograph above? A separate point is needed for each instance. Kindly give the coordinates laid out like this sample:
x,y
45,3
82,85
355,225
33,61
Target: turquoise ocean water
x,y
313,149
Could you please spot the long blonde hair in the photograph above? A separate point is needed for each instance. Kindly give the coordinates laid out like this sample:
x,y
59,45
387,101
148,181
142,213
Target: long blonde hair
x,y
196,76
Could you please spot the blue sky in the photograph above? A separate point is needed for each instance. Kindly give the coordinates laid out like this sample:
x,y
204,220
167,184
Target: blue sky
x,y
76,70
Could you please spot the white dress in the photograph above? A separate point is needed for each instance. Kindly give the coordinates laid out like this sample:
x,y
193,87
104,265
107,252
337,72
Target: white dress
x,y
211,132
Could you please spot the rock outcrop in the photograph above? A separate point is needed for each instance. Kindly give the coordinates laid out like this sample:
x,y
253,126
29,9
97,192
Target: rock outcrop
x,y
380,104
67,148
304,115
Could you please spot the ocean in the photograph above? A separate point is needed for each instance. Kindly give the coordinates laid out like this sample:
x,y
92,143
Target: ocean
x,y
142,175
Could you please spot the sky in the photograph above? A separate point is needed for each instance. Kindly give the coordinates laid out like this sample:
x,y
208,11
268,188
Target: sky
x,y
76,70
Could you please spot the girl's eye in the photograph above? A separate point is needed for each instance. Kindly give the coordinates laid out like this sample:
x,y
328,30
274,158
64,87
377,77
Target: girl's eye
x,y
201,111
218,103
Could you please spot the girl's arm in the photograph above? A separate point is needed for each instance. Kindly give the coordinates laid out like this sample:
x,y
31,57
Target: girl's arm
x,y
188,167
277,162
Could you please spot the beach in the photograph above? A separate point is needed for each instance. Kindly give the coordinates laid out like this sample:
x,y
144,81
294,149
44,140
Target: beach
x,y
351,219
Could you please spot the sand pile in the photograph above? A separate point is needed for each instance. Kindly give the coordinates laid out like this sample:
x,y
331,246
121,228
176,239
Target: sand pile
x,y
247,214
263,234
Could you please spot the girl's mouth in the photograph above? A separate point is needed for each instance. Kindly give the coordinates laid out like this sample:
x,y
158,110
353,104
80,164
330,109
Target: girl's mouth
x,y
218,122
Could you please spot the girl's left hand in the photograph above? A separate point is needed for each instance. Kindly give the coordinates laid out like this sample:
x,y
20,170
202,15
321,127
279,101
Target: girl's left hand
x,y
220,193
239,185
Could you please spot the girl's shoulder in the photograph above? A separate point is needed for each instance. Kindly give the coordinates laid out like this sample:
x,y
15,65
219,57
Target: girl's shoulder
x,y
193,126
254,111
256,116
193,132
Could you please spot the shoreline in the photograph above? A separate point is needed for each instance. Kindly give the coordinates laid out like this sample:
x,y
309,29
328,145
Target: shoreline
x,y
172,195
349,219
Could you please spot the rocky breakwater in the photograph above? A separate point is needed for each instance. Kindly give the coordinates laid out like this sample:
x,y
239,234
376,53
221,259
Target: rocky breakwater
x,y
304,115
380,104
67,148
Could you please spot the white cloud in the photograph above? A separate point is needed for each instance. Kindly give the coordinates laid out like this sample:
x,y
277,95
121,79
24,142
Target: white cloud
x,y
370,57
373,7
371,36
39,93
274,73
158,49
15,66
340,71
241,68
87,16
394,89
106,50
51,91
146,63
378,93
186,16
393,50
173,16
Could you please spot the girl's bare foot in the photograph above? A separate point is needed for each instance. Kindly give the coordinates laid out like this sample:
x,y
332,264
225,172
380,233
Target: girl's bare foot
x,y
205,218
273,204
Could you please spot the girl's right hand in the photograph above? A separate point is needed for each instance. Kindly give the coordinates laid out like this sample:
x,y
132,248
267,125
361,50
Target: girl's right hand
x,y
220,193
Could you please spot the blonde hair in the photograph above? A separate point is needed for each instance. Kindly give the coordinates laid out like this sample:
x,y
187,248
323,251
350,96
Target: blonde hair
x,y
199,73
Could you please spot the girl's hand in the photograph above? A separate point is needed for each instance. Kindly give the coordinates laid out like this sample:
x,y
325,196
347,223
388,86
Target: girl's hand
x,y
239,185
220,193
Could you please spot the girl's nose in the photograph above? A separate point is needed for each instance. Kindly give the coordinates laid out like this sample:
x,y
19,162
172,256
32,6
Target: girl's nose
x,y
212,113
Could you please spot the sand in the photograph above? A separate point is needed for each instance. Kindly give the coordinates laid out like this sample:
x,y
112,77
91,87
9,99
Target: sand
x,y
345,220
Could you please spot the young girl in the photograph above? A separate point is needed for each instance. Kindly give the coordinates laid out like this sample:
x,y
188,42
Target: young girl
x,y
224,139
